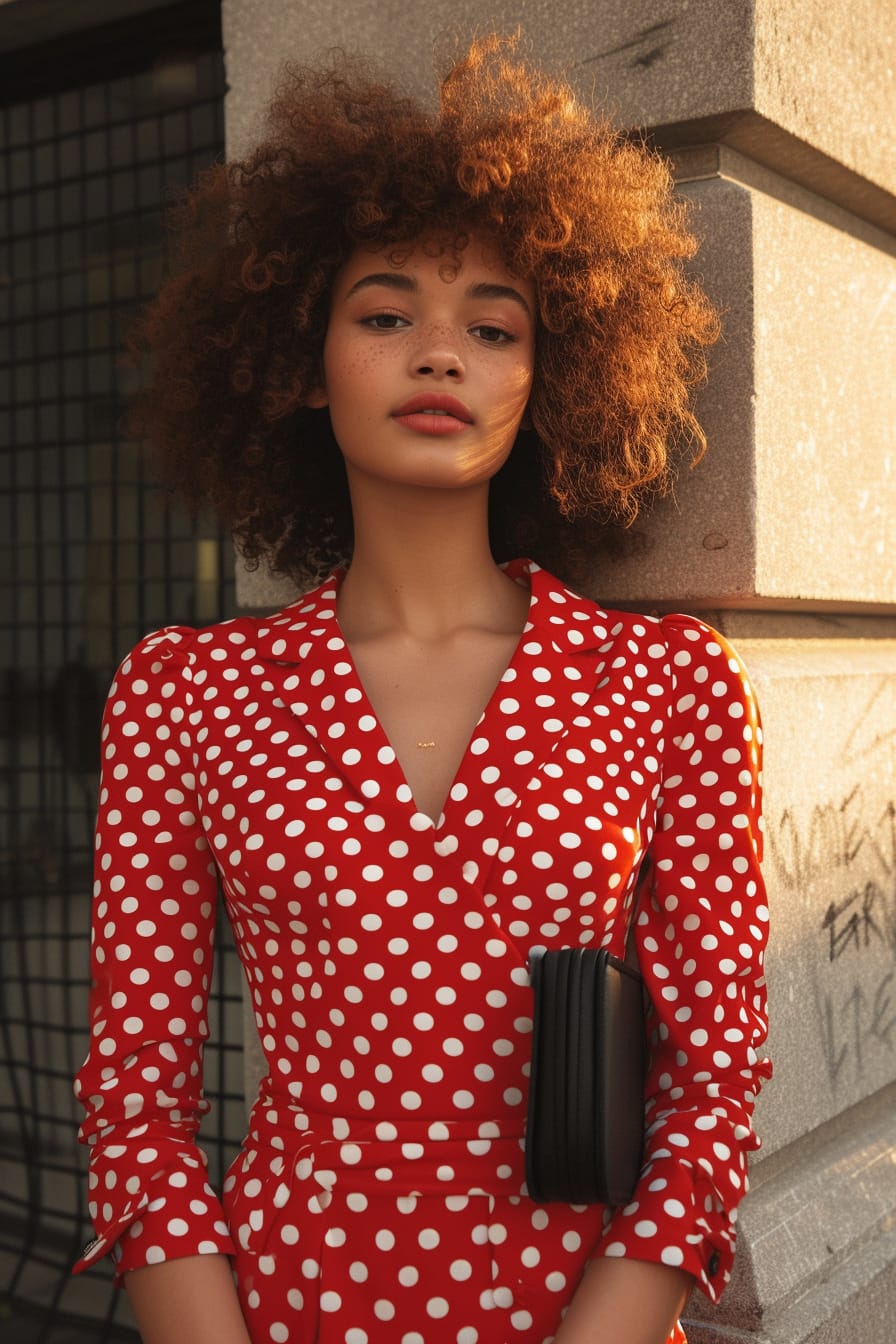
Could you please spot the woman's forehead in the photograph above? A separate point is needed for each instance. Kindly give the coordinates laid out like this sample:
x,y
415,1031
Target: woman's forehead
x,y
474,255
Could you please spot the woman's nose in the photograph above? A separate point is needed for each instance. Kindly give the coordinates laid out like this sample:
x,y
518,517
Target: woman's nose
x,y
439,355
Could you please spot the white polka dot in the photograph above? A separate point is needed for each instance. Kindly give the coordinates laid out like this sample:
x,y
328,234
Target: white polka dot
x,y
672,1255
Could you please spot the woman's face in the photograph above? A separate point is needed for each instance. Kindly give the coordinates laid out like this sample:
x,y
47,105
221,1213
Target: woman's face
x,y
428,364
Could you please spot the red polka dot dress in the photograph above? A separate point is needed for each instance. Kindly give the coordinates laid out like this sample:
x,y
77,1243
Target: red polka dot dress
x,y
379,1197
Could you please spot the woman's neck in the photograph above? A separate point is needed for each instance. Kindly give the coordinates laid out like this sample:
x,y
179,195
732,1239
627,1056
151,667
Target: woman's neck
x,y
422,566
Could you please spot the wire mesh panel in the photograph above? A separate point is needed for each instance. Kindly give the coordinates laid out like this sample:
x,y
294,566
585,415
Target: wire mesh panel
x,y
92,558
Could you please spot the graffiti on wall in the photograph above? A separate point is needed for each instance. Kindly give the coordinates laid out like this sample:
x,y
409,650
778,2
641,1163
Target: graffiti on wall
x,y
862,1020
845,848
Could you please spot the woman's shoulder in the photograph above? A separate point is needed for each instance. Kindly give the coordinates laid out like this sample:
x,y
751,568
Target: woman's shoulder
x,y
703,656
154,654
700,662
235,638
678,630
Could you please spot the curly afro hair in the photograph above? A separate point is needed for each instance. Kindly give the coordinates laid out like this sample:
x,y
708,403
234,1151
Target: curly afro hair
x,y
236,334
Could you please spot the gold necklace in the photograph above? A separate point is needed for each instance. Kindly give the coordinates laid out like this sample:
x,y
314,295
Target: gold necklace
x,y
426,746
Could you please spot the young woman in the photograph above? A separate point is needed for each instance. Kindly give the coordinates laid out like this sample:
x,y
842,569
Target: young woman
x,y
402,346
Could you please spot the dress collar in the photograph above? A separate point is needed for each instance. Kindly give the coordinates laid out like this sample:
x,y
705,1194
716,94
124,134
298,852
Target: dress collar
x,y
569,622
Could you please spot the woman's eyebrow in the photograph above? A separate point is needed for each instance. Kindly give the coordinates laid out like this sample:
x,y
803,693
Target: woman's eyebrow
x,y
391,279
486,290
408,285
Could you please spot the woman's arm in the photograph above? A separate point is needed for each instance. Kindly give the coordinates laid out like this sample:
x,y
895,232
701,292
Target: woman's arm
x,y
701,940
625,1302
155,895
190,1299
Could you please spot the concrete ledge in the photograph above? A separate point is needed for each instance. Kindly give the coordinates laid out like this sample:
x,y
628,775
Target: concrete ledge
x,y
814,1235
761,77
757,141
856,1304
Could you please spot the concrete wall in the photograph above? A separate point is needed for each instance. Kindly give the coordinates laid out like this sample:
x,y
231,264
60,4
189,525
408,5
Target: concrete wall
x,y
779,117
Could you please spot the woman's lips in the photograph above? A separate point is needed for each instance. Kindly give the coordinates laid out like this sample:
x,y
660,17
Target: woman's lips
x,y
433,413
422,422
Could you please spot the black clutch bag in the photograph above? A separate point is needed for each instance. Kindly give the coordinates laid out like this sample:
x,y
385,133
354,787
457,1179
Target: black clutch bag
x,y
585,1128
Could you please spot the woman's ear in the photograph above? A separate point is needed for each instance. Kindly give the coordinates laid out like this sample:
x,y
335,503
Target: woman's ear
x,y
317,398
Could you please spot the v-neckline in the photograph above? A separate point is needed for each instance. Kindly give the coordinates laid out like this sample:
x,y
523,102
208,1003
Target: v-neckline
x,y
514,570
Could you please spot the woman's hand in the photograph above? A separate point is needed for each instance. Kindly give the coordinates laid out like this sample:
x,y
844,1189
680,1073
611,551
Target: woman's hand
x,y
191,1299
622,1301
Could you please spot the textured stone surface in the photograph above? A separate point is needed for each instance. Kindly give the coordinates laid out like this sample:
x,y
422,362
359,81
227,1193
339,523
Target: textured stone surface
x,y
827,73
646,66
829,716
261,590
764,75
702,540
825,324
796,500
854,1305
816,1241
260,34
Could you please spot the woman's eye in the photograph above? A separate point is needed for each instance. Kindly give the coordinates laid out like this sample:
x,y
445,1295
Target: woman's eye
x,y
384,321
492,335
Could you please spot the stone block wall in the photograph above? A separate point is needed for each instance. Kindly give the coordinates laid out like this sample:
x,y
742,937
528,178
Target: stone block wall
x,y
779,116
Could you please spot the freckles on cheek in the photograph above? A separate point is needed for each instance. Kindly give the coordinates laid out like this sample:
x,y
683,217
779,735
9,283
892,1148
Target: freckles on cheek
x,y
357,369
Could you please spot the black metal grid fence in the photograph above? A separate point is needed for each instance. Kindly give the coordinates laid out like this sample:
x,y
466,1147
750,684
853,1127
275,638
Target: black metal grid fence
x,y
92,557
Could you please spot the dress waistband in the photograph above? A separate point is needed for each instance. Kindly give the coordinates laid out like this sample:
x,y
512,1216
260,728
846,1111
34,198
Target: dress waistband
x,y
410,1157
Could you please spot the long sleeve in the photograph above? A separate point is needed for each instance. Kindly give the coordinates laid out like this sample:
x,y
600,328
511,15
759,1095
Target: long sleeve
x,y
701,941
152,946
